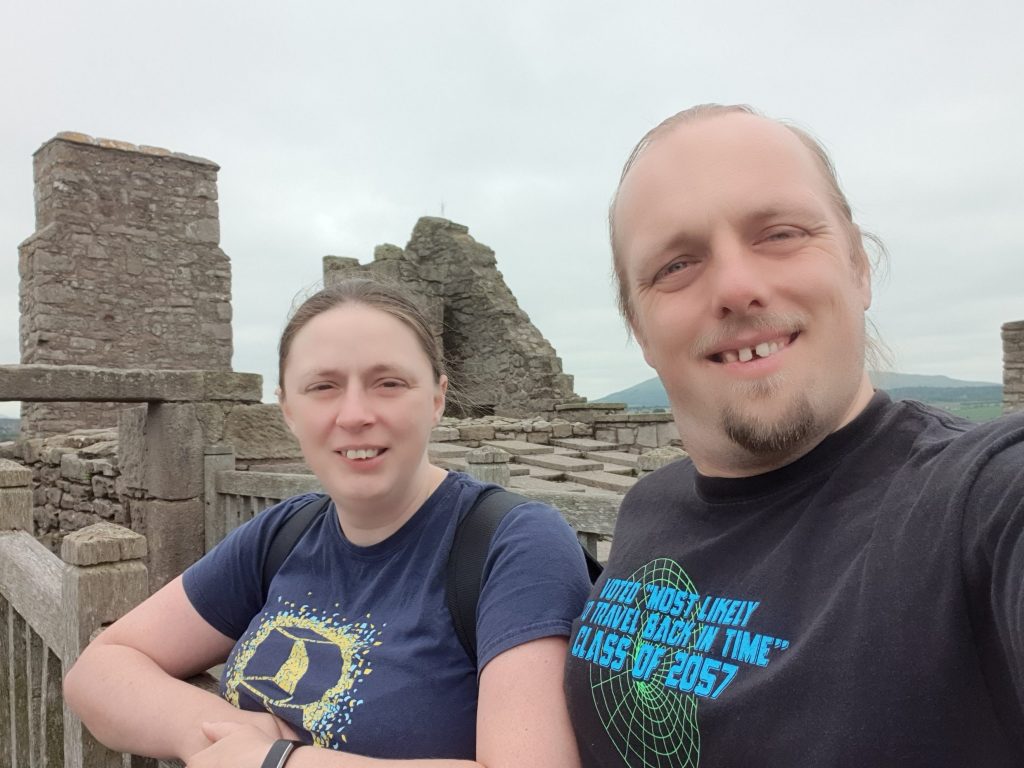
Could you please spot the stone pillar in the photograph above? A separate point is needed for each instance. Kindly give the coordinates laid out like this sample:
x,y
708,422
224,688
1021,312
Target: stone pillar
x,y
217,458
489,465
658,458
15,497
1013,366
163,469
104,578
124,269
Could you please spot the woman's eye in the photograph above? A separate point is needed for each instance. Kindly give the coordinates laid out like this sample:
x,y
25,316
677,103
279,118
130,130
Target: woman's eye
x,y
391,383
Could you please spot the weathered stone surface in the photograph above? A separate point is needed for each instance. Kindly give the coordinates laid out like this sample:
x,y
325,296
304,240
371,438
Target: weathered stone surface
x,y
614,457
446,451
519,447
15,509
1013,366
476,432
259,432
83,383
659,457
102,543
443,434
585,444
13,474
488,454
604,480
499,361
175,533
75,469
561,463
123,269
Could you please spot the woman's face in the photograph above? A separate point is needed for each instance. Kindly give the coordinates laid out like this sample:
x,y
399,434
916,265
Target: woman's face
x,y
360,397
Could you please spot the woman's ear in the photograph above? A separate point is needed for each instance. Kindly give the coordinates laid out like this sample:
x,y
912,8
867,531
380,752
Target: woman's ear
x,y
439,398
285,410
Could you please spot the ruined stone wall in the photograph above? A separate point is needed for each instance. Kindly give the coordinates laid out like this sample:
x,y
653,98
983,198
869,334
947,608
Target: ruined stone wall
x,y
124,269
1013,366
497,358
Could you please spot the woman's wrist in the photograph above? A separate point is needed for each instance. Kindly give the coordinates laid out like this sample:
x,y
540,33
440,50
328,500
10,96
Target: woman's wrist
x,y
279,753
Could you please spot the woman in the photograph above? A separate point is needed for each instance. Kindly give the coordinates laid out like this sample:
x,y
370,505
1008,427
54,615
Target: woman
x,y
352,651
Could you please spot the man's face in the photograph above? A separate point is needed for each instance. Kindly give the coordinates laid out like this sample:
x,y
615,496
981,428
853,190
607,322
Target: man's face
x,y
747,289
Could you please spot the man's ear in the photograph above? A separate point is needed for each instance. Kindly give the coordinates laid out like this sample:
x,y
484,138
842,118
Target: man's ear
x,y
285,410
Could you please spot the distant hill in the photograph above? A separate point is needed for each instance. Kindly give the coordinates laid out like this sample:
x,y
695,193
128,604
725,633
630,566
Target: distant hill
x,y
9,428
937,390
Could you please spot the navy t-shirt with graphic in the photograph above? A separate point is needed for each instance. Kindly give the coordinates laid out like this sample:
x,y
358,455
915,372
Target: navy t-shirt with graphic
x,y
354,646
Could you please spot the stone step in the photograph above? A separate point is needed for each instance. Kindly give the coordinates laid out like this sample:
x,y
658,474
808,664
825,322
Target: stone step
x,y
541,473
537,484
617,469
614,457
446,451
561,463
519,447
603,480
457,464
574,452
585,444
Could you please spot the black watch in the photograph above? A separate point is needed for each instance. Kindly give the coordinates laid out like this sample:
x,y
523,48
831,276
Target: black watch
x,y
279,753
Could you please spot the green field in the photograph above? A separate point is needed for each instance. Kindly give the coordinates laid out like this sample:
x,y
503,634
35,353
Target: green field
x,y
974,411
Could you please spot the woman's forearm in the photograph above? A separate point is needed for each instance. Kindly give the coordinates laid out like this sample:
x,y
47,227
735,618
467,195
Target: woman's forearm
x,y
131,705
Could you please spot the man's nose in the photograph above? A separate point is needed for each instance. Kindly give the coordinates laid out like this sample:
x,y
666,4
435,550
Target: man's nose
x,y
354,409
739,284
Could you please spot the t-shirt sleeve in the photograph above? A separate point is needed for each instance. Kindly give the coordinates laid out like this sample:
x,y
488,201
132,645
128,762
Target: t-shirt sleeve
x,y
535,581
226,585
993,531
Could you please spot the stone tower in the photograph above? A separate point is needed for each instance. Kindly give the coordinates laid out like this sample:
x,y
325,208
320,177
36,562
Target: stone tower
x,y
497,359
124,269
1013,366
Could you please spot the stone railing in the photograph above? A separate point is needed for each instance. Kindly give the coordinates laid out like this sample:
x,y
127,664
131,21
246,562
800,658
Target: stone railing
x,y
50,608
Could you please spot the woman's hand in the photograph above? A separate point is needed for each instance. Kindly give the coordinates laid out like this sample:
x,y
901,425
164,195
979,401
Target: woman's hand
x,y
233,744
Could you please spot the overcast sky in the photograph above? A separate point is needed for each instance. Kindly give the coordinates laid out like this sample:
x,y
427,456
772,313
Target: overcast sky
x,y
338,124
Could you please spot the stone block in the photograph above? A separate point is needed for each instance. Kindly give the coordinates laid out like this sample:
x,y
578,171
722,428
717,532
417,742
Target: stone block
x,y
647,436
175,534
443,434
624,435
54,453
667,433
76,469
15,509
561,429
174,452
259,432
102,543
658,458
488,454
476,432
13,475
131,437
519,447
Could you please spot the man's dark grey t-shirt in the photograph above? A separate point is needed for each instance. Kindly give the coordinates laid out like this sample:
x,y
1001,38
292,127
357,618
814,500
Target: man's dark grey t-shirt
x,y
863,606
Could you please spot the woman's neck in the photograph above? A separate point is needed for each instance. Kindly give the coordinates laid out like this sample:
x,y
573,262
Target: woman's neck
x,y
368,523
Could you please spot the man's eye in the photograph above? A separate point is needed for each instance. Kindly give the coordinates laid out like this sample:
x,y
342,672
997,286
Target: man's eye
x,y
672,268
782,234
320,386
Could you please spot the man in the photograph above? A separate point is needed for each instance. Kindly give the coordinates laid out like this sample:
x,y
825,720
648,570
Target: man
x,y
831,578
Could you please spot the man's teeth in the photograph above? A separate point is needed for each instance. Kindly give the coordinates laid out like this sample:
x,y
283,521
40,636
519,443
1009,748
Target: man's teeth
x,y
746,354
362,453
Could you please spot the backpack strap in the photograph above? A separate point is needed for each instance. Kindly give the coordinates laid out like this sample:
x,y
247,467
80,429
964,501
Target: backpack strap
x,y
465,570
288,535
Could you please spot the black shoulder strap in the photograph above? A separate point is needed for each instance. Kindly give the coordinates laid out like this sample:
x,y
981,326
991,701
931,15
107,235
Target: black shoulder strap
x,y
465,569
288,535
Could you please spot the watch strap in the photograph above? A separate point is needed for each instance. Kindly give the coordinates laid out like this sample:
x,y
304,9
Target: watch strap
x,y
279,753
